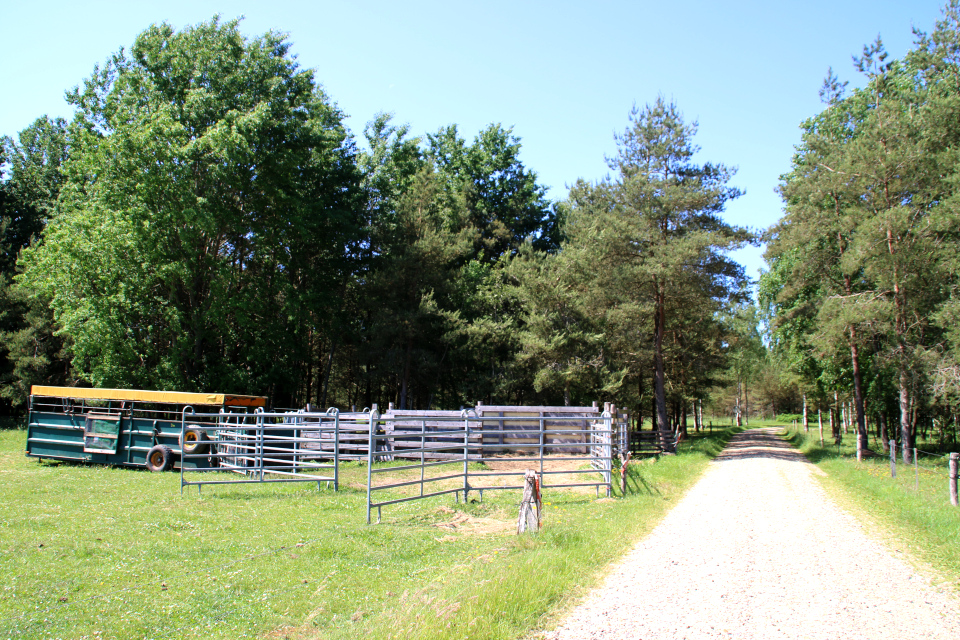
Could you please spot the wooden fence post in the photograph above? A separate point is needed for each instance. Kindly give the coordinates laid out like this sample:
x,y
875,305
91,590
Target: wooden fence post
x,y
953,478
530,505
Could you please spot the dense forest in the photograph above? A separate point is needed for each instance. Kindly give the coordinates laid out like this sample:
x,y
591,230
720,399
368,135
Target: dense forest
x,y
207,222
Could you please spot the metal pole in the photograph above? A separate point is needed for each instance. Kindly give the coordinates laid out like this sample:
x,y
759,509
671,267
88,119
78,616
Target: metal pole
x,y
372,418
609,424
183,428
541,447
893,458
336,449
953,478
466,461
260,440
423,454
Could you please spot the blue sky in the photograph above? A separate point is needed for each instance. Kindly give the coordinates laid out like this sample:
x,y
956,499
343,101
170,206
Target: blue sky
x,y
564,75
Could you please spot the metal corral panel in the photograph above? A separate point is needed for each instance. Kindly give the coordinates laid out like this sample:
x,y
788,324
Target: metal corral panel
x,y
514,425
431,429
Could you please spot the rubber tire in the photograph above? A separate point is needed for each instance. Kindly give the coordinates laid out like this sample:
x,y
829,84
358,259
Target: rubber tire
x,y
159,458
194,441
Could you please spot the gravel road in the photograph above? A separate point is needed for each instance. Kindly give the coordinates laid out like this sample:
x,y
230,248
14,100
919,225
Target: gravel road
x,y
757,550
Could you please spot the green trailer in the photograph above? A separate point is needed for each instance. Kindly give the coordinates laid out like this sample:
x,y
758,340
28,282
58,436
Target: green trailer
x,y
127,427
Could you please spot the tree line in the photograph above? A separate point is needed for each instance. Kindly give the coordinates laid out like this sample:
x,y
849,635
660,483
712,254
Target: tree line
x,y
862,289
206,221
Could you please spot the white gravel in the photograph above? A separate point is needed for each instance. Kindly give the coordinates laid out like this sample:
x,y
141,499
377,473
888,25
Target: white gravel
x,y
757,550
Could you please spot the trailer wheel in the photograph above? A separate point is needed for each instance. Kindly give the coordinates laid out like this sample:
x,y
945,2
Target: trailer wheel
x,y
160,458
194,441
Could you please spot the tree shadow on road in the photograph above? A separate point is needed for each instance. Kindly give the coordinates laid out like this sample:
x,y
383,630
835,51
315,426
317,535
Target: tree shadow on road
x,y
759,444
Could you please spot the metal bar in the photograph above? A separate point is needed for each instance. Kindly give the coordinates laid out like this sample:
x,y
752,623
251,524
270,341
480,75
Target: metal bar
x,y
542,435
410,483
259,452
429,495
336,450
370,448
268,481
407,467
563,486
423,453
466,460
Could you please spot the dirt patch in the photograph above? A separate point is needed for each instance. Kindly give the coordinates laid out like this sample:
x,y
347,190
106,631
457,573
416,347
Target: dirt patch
x,y
292,633
463,524
515,463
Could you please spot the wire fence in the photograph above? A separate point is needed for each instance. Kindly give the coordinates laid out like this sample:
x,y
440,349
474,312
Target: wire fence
x,y
949,474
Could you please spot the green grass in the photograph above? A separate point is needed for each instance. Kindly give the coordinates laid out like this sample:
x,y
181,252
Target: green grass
x,y
922,520
89,551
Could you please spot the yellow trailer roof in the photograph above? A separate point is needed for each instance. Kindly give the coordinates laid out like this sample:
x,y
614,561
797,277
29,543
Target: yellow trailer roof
x,y
173,397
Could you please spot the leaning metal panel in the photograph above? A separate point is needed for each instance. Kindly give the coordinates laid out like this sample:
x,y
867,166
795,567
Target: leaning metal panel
x,y
260,447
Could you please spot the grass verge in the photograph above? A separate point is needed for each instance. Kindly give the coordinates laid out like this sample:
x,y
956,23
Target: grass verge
x,y
92,551
913,508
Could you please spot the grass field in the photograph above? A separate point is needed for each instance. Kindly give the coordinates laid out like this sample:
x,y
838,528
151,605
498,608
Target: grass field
x,y
913,509
101,552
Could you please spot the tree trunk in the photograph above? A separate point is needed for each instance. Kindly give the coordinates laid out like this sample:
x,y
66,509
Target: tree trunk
x,y
639,416
659,378
653,406
820,424
882,427
806,417
906,435
854,353
683,417
308,383
405,381
737,409
746,404
326,375
834,418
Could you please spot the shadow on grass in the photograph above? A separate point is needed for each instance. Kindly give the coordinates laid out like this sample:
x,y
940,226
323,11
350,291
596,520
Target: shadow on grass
x,y
13,423
637,484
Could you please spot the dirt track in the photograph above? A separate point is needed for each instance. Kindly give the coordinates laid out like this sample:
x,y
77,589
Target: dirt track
x,y
757,550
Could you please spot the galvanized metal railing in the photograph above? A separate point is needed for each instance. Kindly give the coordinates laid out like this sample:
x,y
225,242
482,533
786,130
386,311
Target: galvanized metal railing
x,y
458,441
260,447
